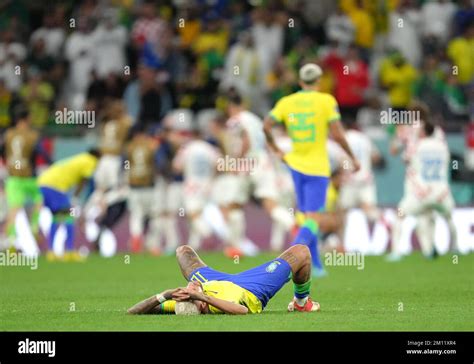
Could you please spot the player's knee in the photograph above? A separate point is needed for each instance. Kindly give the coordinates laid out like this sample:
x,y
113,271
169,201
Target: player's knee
x,y
183,249
302,252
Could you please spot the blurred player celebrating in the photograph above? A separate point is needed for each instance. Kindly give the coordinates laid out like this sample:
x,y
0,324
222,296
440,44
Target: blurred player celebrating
x,y
55,184
308,115
21,146
247,142
196,160
140,153
358,189
426,191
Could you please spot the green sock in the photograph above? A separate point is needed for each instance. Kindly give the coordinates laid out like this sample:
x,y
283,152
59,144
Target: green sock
x,y
35,222
302,290
11,231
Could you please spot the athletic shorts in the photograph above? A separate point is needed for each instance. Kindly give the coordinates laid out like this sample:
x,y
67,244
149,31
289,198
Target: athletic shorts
x,y
20,190
310,191
55,200
263,281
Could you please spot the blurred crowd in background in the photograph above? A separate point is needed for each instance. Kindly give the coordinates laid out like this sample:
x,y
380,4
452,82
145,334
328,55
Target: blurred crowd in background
x,y
162,55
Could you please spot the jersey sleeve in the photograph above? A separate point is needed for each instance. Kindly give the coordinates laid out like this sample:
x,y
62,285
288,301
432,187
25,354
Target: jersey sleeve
x,y
333,110
89,167
277,113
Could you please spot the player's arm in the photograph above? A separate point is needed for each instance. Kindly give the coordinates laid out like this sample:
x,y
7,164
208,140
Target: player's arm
x,y
227,307
245,143
148,305
337,133
268,123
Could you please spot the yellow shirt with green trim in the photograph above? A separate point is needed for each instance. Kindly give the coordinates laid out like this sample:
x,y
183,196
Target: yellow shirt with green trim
x,y
306,115
231,292
67,173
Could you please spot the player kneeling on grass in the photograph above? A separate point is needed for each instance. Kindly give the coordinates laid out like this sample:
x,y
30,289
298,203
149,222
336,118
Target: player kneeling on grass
x,y
210,291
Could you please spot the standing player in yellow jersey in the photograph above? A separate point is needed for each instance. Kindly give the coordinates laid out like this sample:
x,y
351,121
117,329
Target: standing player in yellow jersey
x,y
214,292
55,184
310,117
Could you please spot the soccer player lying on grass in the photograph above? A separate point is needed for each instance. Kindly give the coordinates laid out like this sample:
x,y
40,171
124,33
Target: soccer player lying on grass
x,y
210,291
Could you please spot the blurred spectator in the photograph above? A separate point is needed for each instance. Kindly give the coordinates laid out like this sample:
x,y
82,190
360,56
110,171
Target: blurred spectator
x,y
340,29
148,28
12,54
103,90
364,27
351,80
464,16
281,81
80,52
110,40
461,53
51,33
243,71
8,100
37,95
38,58
398,77
436,19
404,32
268,35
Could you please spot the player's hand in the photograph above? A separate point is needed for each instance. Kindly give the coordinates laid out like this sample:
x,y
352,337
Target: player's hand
x,y
279,154
181,294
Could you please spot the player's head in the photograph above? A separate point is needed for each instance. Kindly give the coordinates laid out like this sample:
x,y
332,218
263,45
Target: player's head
x,y
196,286
21,115
94,152
427,128
421,110
309,75
234,102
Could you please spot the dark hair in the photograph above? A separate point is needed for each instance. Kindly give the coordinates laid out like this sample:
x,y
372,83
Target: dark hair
x,y
94,152
20,112
428,127
234,98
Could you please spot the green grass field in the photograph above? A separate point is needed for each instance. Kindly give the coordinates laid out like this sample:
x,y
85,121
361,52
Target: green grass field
x,y
413,294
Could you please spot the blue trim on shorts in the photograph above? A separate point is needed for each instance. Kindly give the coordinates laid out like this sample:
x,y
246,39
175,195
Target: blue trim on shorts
x,y
55,200
263,281
310,191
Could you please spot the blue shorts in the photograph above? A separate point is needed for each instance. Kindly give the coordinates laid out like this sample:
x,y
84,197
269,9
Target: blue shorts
x,y
55,200
310,191
263,281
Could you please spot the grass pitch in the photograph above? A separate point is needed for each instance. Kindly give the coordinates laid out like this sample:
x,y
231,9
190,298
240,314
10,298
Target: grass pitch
x,y
413,294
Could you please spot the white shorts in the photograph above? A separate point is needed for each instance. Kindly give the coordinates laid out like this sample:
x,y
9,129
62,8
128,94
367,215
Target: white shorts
x,y
354,195
140,200
440,200
168,197
261,182
196,195
108,172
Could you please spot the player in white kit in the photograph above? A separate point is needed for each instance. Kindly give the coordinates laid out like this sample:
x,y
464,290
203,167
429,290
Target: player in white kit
x,y
358,189
196,160
426,191
246,144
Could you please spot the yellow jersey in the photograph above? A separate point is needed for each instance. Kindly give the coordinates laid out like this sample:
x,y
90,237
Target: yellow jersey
x,y
67,173
306,115
229,291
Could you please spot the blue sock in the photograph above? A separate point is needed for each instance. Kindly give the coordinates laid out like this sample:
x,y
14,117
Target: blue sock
x,y
69,234
308,235
52,233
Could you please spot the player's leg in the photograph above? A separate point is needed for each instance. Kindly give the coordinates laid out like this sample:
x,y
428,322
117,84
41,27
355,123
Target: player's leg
x,y
314,196
37,200
174,206
188,260
136,219
299,258
15,201
425,231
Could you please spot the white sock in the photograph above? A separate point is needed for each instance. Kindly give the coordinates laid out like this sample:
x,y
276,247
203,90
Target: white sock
x,y
282,216
425,231
236,227
277,238
301,301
